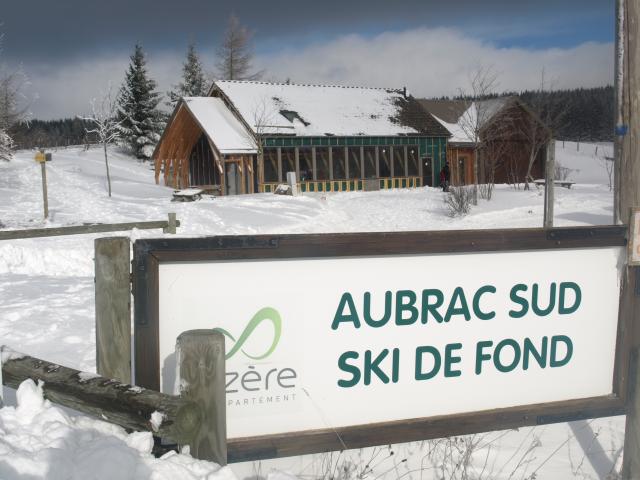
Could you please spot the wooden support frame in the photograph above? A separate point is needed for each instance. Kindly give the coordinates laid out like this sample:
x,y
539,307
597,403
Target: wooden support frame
x,y
149,254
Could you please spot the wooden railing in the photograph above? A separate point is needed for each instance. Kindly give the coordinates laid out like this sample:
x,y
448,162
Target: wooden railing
x,y
169,226
347,185
195,418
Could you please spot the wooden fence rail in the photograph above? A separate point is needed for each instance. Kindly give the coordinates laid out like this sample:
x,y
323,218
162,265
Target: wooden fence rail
x,y
182,419
169,226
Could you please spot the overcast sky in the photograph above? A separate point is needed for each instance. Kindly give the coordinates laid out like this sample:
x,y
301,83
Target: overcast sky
x,y
73,49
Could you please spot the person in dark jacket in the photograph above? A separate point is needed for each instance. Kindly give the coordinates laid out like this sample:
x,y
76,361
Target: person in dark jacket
x,y
445,177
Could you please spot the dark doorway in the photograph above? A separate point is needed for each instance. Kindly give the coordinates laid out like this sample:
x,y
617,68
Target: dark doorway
x,y
427,172
233,179
462,171
202,167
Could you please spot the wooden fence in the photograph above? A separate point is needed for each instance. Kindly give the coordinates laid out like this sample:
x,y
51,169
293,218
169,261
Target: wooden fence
x,y
169,226
196,418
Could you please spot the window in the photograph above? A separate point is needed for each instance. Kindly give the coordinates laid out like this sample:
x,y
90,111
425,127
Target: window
x,y
355,170
398,161
338,163
306,163
385,162
370,162
288,161
270,156
322,163
413,158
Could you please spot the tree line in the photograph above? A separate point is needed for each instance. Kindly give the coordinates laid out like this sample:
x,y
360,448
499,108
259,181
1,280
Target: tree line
x,y
581,114
135,117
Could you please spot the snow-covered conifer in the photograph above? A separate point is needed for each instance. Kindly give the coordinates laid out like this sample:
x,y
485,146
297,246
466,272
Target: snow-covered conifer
x,y
6,145
138,116
193,83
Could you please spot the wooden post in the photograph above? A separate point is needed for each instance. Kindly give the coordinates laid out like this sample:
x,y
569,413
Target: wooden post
x,y
279,165
113,308
619,109
45,198
314,166
200,356
549,175
628,197
331,165
172,224
346,163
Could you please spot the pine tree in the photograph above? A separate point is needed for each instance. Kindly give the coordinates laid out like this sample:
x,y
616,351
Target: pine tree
x,y
138,116
193,83
6,145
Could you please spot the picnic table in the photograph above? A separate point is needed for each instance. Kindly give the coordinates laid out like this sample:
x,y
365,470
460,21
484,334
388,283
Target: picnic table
x,y
561,183
187,195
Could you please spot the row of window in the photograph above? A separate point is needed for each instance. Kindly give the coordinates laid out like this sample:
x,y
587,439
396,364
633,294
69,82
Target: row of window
x,y
341,162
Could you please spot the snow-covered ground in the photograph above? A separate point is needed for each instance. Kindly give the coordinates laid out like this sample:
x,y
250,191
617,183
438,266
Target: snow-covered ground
x,y
47,304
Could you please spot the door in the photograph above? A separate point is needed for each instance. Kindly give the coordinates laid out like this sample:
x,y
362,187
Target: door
x,y
427,172
233,178
462,171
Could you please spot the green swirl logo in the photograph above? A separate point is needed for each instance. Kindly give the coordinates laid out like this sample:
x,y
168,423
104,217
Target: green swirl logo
x,y
265,314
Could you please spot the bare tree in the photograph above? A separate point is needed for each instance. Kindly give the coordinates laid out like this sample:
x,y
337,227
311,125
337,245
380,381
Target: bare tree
x,y
483,83
13,106
107,127
538,130
262,118
235,54
608,164
493,154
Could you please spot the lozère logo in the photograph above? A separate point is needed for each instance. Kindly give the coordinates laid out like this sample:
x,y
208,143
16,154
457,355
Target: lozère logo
x,y
255,383
266,314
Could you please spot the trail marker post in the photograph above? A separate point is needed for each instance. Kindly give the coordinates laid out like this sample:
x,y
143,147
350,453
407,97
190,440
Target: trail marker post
x,y
41,158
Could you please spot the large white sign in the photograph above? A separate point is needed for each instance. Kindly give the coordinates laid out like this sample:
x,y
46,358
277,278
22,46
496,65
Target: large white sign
x,y
326,343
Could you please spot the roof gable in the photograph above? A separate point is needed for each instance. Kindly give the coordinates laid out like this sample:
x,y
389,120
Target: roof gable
x,y
220,125
462,117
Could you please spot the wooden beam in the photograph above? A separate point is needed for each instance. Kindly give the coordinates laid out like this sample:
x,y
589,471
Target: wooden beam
x,y
81,229
116,402
200,355
628,181
113,307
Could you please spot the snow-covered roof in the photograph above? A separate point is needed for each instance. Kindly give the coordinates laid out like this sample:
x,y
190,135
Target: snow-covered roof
x,y
462,119
319,110
220,125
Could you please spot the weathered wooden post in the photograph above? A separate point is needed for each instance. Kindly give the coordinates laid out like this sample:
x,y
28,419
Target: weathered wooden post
x,y
628,196
171,224
200,356
41,158
550,176
113,308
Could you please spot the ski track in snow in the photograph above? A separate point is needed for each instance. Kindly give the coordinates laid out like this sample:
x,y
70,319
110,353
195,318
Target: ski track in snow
x,y
47,287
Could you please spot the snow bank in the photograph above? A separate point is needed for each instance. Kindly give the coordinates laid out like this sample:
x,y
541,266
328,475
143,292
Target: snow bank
x,y
587,162
38,440
30,257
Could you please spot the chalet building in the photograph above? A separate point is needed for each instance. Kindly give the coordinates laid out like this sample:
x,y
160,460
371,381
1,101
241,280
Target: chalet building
x,y
245,136
503,132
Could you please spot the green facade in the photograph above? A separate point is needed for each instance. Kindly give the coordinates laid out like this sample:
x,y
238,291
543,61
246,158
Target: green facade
x,y
434,147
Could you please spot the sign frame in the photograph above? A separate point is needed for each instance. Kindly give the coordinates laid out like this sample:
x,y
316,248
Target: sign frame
x,y
150,253
634,238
